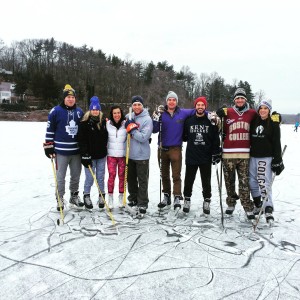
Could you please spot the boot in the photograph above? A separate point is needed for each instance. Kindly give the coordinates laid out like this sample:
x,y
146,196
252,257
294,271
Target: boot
x,y
229,210
250,215
100,201
75,200
110,201
166,202
87,201
121,195
132,203
257,205
186,204
206,206
177,204
269,214
142,210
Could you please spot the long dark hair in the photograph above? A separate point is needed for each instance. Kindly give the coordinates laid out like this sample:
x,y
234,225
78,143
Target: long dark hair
x,y
258,119
118,125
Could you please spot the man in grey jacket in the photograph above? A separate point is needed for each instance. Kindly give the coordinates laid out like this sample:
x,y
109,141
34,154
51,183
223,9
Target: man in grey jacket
x,y
140,128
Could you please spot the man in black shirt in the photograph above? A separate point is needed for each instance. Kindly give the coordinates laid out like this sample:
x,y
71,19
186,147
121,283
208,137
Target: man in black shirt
x,y
203,149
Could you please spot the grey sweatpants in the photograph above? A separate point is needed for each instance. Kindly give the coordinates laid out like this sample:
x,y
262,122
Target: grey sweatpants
x,y
62,163
260,179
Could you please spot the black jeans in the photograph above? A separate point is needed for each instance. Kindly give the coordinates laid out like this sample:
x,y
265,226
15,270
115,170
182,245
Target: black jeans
x,y
190,175
138,179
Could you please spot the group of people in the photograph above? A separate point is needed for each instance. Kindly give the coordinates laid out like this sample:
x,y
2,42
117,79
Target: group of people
x,y
74,138
252,150
249,147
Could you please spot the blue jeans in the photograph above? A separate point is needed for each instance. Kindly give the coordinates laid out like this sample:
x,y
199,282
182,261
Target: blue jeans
x,y
99,171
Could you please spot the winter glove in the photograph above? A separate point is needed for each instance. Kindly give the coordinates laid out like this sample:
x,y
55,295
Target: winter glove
x,y
216,158
156,116
213,118
161,109
277,166
127,122
49,149
222,112
276,117
86,160
130,126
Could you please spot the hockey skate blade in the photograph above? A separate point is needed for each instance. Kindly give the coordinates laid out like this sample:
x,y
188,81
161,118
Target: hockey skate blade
x,y
160,214
140,216
172,215
165,208
177,209
76,208
60,222
131,210
253,237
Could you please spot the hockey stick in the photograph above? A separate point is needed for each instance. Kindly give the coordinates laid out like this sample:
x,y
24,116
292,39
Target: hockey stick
x,y
100,193
61,220
265,198
160,160
221,174
220,192
127,158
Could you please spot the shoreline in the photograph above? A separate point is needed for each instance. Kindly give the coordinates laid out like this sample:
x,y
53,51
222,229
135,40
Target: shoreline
x,y
26,116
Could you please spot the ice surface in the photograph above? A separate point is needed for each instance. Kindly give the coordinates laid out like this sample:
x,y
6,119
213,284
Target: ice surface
x,y
158,257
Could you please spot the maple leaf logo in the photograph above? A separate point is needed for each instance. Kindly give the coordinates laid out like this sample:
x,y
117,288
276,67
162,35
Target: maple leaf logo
x,y
72,128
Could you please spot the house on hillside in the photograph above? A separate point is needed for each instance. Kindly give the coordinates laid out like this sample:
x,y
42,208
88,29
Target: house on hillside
x,y
6,92
3,71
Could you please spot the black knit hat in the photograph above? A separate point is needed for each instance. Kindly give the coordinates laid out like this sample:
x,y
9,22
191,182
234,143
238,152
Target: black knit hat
x,y
240,92
137,99
68,91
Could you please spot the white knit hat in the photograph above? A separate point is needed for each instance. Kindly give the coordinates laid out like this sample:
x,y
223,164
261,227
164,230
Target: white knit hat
x,y
267,103
171,94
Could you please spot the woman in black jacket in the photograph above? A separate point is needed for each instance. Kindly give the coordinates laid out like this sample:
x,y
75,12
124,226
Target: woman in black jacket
x,y
92,139
265,158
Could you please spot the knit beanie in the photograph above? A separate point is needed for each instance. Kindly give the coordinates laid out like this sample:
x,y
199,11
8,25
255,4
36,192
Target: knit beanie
x,y
138,99
240,92
171,94
267,103
201,99
95,103
68,91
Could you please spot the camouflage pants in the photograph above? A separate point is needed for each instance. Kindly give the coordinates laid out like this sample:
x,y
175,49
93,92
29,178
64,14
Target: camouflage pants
x,y
231,166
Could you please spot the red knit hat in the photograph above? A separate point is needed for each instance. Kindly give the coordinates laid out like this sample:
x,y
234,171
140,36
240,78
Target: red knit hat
x,y
201,99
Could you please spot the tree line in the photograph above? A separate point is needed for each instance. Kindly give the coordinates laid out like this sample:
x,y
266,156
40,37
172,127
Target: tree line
x,y
41,67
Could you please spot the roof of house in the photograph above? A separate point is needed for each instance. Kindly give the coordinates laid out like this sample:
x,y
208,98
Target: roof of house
x,y
6,86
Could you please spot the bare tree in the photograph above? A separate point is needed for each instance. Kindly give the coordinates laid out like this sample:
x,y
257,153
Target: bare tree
x,y
259,96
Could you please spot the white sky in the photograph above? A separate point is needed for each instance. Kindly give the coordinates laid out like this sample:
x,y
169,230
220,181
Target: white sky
x,y
254,41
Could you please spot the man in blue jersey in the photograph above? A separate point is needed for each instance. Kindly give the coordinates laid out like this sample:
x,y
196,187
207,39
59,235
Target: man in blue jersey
x,y
61,144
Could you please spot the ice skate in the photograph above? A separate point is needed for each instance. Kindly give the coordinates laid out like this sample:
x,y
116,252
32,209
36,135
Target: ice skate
x,y
75,201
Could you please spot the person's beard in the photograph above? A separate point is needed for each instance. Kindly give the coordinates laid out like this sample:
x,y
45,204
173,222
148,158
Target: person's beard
x,y
200,111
